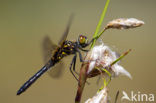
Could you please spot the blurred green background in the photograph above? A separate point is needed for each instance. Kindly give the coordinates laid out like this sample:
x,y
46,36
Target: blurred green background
x,y
24,23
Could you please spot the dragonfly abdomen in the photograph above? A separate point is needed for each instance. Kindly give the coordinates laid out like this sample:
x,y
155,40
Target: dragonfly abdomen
x,y
27,84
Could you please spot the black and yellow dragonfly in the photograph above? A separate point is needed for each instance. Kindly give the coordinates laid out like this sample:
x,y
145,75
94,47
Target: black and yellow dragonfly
x,y
64,48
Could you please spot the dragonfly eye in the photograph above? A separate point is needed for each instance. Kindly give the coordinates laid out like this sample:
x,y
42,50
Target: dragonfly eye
x,y
82,40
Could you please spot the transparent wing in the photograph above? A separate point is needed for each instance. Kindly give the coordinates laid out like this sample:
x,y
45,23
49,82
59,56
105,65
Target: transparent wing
x,y
65,34
48,48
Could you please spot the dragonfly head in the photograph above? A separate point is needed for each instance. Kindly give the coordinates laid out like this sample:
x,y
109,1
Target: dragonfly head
x,y
83,41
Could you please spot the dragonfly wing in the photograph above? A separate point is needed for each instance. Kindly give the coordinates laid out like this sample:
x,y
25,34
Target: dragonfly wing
x,y
57,70
48,48
65,34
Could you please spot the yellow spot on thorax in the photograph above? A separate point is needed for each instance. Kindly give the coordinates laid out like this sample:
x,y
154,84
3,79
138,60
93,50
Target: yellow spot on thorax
x,y
59,57
63,53
65,46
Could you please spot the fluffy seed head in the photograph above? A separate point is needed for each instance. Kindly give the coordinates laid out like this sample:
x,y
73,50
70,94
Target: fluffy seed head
x,y
102,56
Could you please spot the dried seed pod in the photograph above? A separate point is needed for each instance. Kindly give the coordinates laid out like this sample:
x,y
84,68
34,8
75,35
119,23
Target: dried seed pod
x,y
124,23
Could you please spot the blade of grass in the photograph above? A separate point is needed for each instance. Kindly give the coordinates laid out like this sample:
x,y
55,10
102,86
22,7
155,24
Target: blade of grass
x,y
100,22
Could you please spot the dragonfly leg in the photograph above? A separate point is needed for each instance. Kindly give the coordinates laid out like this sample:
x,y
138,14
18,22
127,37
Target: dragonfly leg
x,y
84,50
80,56
73,64
74,68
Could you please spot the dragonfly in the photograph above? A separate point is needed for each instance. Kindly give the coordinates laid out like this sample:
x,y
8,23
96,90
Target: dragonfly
x,y
64,49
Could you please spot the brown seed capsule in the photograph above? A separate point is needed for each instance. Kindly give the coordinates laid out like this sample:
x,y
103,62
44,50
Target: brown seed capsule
x,y
124,23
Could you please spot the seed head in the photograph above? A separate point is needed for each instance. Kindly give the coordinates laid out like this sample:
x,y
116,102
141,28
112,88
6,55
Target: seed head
x,y
101,57
124,23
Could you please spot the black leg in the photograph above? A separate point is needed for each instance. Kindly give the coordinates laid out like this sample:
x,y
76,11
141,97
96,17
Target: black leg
x,y
75,64
80,56
84,50
73,60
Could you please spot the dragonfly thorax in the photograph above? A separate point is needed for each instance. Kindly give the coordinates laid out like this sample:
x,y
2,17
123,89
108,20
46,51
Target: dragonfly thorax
x,y
67,48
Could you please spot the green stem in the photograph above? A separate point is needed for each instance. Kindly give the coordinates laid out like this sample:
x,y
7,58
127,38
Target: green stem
x,y
101,33
123,55
100,22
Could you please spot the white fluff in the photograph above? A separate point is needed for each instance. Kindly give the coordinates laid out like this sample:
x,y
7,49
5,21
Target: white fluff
x,y
102,56
101,97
